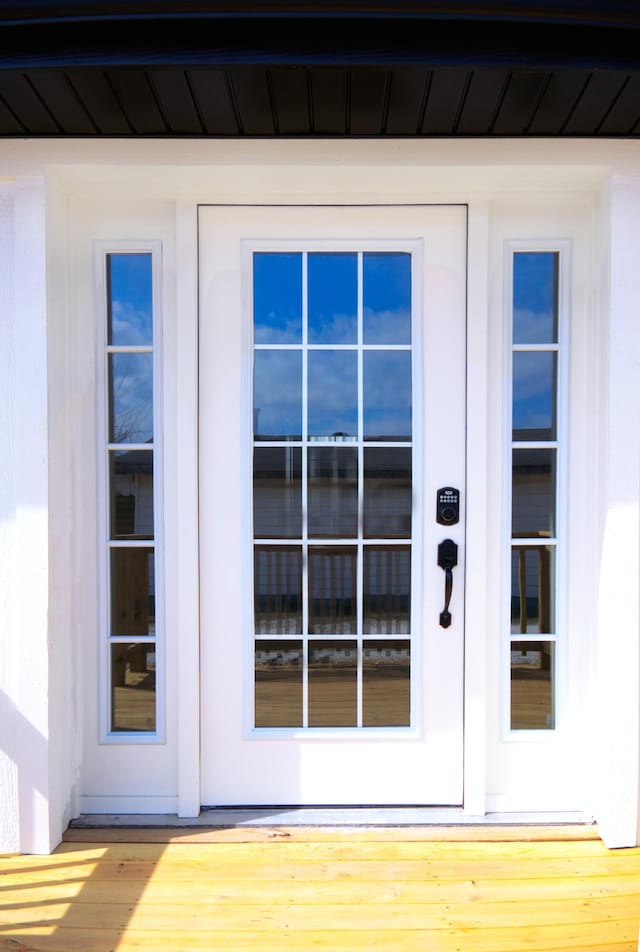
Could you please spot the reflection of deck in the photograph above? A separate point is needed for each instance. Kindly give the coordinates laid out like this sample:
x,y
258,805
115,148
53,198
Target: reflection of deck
x,y
413,889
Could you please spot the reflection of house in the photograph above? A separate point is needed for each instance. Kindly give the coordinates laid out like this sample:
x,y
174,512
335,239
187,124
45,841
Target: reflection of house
x,y
116,139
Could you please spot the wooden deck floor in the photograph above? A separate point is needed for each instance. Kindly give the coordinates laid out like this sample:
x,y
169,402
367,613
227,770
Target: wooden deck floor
x,y
478,889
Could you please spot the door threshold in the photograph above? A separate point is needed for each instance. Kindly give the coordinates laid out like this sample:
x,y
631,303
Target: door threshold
x,y
370,816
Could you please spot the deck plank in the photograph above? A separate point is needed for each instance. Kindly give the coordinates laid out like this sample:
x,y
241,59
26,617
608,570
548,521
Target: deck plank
x,y
516,890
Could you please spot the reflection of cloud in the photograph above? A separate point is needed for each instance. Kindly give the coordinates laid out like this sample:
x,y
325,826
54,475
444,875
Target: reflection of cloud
x,y
387,327
272,328
532,326
130,325
333,393
277,400
332,329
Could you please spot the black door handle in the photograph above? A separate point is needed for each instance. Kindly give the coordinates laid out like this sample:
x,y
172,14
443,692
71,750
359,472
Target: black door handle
x,y
447,560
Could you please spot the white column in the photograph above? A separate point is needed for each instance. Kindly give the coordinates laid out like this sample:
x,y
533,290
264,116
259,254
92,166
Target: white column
x,y
616,700
24,537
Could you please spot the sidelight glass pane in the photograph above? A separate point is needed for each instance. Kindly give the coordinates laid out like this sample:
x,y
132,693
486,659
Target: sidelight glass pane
x,y
333,492
535,297
387,590
534,395
133,687
387,493
332,590
130,398
277,298
129,300
133,609
277,395
278,590
333,298
387,395
387,298
534,493
333,394
278,684
532,685
131,494
533,590
386,684
277,492
333,684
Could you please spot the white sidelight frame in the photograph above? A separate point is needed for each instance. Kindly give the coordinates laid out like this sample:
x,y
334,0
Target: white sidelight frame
x,y
104,450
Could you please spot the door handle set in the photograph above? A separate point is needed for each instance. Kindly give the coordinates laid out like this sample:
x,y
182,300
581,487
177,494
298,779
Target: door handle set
x,y
447,560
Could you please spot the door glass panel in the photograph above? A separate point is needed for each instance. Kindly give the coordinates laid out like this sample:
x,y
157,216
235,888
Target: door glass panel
x,y
131,494
278,684
332,590
129,300
387,395
532,589
386,684
387,590
133,687
277,298
387,298
333,394
534,395
333,492
534,492
278,589
387,493
277,492
333,684
532,685
277,395
130,398
333,298
132,592
535,297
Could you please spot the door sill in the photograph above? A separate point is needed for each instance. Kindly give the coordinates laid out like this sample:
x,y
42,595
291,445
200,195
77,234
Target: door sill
x,y
369,816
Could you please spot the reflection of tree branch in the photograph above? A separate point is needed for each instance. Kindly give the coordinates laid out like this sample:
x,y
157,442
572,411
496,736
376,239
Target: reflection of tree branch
x,y
129,422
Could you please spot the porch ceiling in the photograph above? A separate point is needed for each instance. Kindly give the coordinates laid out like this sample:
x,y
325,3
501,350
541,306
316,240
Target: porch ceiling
x,y
369,68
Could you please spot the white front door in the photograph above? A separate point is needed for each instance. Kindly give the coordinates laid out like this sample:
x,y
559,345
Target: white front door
x,y
332,410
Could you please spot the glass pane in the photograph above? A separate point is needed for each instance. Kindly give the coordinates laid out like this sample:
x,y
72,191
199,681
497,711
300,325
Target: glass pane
x,y
131,494
129,300
534,493
333,684
386,684
534,396
277,395
277,492
387,590
133,687
333,298
278,684
387,395
278,590
133,609
387,298
277,298
333,394
332,590
533,590
532,685
333,492
535,297
387,493
130,398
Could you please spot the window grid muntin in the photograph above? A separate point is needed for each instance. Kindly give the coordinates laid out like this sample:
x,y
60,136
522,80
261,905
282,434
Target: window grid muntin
x,y
557,347
359,347
108,448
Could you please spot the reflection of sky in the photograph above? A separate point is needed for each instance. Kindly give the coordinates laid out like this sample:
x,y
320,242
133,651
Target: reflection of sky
x,y
130,318
387,395
533,391
131,384
333,393
277,298
534,297
387,298
333,298
277,394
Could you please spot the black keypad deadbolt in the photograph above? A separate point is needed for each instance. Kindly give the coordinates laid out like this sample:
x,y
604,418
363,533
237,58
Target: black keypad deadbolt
x,y
448,506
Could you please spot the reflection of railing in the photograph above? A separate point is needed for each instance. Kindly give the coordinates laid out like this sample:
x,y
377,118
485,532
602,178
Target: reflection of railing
x,y
544,586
